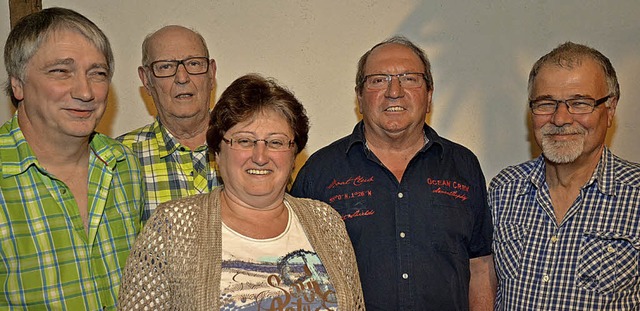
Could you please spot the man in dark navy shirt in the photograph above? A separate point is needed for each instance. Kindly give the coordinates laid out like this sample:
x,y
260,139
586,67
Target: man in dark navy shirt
x,y
414,203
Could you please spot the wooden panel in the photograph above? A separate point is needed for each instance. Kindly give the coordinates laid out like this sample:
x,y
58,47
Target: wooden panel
x,y
20,8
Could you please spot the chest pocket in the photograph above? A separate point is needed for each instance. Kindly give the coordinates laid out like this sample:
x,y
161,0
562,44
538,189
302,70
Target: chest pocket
x,y
609,262
508,241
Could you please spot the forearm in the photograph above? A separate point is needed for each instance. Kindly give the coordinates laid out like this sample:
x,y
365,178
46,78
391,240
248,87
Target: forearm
x,y
483,284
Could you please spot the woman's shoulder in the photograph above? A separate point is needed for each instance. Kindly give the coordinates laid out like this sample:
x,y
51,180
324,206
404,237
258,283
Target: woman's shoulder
x,y
180,212
191,203
319,209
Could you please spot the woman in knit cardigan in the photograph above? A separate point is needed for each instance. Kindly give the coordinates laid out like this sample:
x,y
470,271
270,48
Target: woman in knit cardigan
x,y
246,245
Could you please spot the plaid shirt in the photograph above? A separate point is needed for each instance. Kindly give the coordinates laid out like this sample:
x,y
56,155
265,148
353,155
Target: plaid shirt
x,y
590,261
170,170
48,259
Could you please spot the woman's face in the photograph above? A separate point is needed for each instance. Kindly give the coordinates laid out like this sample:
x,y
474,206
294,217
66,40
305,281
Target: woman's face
x,y
257,177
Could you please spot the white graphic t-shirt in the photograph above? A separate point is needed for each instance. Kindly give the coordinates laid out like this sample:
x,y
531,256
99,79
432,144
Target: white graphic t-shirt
x,y
280,273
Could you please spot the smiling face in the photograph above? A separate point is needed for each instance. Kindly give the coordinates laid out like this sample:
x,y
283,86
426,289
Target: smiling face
x,y
395,110
65,88
184,95
565,137
257,177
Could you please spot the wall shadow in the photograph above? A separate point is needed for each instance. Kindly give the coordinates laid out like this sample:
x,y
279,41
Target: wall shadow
x,y
111,111
148,101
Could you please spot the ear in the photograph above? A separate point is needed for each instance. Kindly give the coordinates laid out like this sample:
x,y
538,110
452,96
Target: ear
x,y
429,97
611,111
213,68
359,98
144,78
17,87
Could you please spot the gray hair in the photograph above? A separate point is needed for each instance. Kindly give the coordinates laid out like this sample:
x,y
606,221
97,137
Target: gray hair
x,y
32,30
569,55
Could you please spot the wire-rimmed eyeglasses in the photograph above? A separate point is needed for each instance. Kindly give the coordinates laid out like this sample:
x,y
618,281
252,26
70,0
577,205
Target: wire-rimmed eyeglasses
x,y
247,143
381,81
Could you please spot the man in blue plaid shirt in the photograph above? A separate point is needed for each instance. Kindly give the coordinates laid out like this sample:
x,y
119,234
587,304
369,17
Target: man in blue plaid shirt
x,y
567,224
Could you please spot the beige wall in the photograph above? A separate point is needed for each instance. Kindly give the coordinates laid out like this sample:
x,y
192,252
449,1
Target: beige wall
x,y
481,53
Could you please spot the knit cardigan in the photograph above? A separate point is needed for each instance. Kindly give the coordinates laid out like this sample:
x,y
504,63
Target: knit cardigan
x,y
176,261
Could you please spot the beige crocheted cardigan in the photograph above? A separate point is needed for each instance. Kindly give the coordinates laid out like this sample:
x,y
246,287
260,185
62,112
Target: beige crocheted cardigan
x,y
175,263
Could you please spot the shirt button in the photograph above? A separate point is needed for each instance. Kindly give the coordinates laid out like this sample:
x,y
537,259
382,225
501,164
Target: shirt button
x,y
610,249
400,195
402,235
63,190
405,276
554,239
545,278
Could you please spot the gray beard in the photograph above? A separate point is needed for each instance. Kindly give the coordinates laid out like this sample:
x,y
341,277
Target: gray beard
x,y
562,152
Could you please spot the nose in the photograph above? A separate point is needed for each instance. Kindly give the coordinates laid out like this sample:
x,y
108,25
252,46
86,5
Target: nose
x,y
259,154
394,89
182,76
82,89
562,115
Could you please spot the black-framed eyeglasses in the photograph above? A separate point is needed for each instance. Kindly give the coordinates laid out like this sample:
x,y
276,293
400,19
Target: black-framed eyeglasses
x,y
380,81
168,68
246,143
574,105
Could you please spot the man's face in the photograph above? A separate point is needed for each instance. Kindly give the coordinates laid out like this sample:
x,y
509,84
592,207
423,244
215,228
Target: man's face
x,y
65,87
183,96
394,111
565,137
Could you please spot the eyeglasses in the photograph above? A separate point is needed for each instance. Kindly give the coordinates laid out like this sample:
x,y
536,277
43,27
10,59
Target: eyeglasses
x,y
382,81
246,143
574,106
168,68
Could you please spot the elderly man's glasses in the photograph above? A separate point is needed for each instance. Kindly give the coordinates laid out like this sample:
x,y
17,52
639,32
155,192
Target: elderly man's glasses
x,y
381,81
574,106
168,68
246,143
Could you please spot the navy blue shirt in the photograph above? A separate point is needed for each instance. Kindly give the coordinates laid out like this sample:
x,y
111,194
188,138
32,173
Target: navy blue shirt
x,y
413,239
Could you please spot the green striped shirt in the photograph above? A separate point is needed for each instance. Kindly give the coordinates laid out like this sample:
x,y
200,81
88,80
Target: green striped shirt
x,y
48,259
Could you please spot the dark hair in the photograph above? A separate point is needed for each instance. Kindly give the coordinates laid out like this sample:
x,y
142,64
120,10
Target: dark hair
x,y
569,55
245,98
395,40
34,29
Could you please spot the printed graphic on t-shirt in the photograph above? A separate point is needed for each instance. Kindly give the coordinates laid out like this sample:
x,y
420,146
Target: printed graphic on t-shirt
x,y
280,273
297,281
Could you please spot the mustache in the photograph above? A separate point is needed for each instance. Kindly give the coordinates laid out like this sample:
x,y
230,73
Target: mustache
x,y
550,129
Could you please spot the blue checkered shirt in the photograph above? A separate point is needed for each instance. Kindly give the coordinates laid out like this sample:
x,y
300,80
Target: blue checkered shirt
x,y
590,261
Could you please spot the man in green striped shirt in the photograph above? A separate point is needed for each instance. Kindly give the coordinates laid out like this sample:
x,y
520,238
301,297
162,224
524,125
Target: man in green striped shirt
x,y
70,198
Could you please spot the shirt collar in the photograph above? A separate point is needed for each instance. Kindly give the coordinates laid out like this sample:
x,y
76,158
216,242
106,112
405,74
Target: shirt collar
x,y
167,143
18,159
16,154
357,137
604,175
103,148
